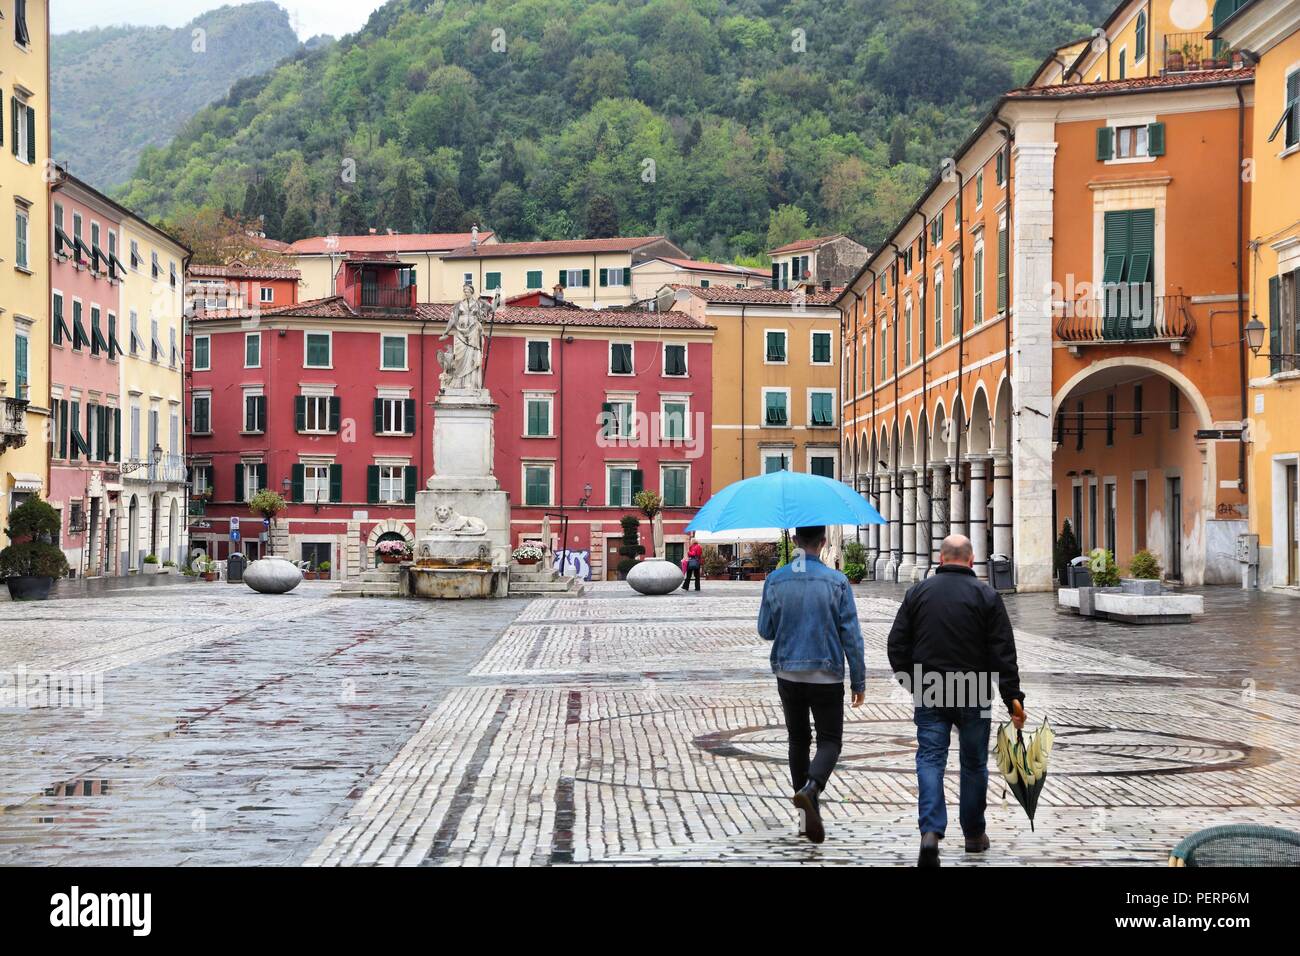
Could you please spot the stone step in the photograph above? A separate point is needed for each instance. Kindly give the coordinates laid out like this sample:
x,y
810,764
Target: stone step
x,y
380,576
559,588
369,589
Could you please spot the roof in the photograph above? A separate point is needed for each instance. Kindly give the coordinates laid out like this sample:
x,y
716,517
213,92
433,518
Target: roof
x,y
238,270
559,247
1138,84
336,307
695,265
386,242
801,244
727,296
63,176
269,245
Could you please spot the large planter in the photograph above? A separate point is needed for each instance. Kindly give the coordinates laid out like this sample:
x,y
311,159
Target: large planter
x,y
29,588
655,576
272,576
391,558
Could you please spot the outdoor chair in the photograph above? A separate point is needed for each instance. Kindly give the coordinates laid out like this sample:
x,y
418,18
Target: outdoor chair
x,y
1239,844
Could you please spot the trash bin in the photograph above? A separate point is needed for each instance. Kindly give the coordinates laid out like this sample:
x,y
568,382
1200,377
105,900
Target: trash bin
x,y
1001,577
1078,575
235,565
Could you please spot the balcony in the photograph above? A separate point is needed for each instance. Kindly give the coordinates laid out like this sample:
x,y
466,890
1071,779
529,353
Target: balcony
x,y
1190,52
388,298
13,421
1126,315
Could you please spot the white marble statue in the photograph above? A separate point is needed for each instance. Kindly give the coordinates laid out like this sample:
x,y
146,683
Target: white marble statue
x,y
462,361
447,521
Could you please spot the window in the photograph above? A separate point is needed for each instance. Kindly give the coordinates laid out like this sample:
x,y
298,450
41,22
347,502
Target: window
x,y
21,36
1175,401
575,278
774,461
1137,409
390,484
884,352
200,421
135,426
539,357
907,333
1110,420
675,480
1141,141
315,483
821,348
172,269
938,308
1078,425
252,350
317,413
620,358
20,237
22,119
20,365
625,483
775,348
979,190
537,485
254,413
822,465
537,415
154,268
534,279
492,281
114,348
673,416
1283,320
956,300
776,407
821,409
979,285
675,360
201,478
266,294
1140,38
202,353
137,345
618,418
58,325
135,254
1128,254
317,350
1003,283
174,354
1123,64
393,353
155,346
615,277
395,415
1290,113
250,478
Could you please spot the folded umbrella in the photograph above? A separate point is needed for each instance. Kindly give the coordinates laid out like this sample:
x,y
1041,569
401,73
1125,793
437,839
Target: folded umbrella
x,y
1024,766
784,499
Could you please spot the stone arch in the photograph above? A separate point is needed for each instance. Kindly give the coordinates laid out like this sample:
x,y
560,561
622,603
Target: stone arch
x,y
1002,417
938,447
1185,385
908,447
978,437
389,526
923,437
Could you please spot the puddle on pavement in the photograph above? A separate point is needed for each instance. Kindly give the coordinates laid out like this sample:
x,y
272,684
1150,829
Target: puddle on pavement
x,y
79,788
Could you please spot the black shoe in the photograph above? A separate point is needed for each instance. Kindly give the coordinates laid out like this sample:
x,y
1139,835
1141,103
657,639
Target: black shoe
x,y
929,850
806,801
977,844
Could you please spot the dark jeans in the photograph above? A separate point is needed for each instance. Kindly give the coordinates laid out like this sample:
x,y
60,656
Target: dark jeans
x,y
825,702
933,735
691,571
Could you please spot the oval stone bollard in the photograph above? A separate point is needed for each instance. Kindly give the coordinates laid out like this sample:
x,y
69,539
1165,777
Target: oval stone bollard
x,y
655,576
272,576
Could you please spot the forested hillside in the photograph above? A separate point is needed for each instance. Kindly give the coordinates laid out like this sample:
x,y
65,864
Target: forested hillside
x,y
548,119
119,89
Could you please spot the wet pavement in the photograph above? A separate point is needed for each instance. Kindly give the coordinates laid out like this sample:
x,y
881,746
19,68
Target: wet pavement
x,y
218,726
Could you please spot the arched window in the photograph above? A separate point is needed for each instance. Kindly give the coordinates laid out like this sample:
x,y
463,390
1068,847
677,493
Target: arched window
x,y
1140,43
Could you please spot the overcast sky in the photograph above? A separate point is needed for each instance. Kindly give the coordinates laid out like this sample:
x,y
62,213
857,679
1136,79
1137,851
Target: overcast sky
x,y
309,17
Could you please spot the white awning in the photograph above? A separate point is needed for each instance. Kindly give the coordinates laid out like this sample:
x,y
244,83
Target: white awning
x,y
26,481
739,535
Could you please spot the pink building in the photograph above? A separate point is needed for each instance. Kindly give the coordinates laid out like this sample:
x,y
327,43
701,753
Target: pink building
x,y
85,373
329,403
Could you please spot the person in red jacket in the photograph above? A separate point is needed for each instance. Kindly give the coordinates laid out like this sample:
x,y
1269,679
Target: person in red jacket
x,y
694,558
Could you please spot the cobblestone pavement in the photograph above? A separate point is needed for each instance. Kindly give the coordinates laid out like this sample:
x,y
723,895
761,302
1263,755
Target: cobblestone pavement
x,y
611,729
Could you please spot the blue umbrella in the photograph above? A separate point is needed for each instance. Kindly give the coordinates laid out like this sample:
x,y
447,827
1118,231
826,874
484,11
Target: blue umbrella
x,y
784,499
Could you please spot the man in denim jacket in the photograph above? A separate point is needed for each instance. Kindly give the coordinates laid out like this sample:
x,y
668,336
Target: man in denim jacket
x,y
810,617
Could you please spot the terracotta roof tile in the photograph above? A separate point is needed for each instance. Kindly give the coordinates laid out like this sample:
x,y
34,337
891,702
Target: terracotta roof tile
x,y
1138,84
725,267
800,244
330,307
402,242
728,296
240,271
558,247
576,318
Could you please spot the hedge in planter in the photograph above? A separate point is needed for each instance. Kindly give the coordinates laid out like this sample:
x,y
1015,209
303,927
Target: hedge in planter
x,y
32,562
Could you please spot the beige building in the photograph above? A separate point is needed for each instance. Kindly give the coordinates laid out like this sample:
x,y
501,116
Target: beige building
x,y
24,254
318,258
651,275
830,262
595,273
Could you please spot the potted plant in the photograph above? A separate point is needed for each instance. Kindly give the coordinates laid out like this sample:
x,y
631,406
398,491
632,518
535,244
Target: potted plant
x,y
526,554
151,565
650,504
1193,55
309,573
1105,572
266,504
1145,566
1067,548
855,561
393,552
713,565
324,569
32,561
631,550
764,558
1176,63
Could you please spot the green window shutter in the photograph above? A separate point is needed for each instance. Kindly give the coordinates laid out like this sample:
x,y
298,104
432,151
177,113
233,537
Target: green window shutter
x,y
13,124
297,476
259,408
493,281
1115,245
999,167
776,276
334,413
604,278
411,476
31,136
1292,115
117,434
300,413
607,419
1003,283
63,428
1105,143
1156,139
1275,324
409,416
260,471
563,278
379,415
586,278
535,279
239,480
372,484
57,324
638,482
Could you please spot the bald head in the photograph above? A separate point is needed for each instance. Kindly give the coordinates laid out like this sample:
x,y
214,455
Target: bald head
x,y
956,549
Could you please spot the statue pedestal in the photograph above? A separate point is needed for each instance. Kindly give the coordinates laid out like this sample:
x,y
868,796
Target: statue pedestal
x,y
462,518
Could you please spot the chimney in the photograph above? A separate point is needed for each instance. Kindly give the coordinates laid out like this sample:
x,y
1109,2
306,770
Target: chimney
x,y
826,285
473,237
558,293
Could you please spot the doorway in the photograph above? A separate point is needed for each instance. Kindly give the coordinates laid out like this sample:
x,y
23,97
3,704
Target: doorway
x,y
1292,525
1139,515
1174,499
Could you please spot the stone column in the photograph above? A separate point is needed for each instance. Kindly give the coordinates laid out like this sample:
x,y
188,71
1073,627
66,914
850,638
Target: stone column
x,y
979,515
938,510
1034,157
922,560
1002,504
956,498
885,531
908,557
873,530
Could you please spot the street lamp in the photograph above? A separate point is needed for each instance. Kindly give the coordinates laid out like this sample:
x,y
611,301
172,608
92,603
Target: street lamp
x,y
586,496
1255,334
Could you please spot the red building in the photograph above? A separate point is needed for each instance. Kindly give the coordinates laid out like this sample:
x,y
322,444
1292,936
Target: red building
x,y
239,289
330,403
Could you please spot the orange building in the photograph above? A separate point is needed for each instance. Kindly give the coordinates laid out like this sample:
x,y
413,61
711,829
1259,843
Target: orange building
x,y
1055,332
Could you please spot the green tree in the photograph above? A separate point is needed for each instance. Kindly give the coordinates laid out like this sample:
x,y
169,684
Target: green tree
x,y
448,213
602,217
787,224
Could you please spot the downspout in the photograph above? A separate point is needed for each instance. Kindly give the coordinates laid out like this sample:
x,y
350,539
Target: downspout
x,y
559,491
925,365
1006,165
897,489
960,405
1241,306
875,287
742,392
419,416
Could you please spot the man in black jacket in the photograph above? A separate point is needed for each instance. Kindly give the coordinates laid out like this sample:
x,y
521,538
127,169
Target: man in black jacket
x,y
951,636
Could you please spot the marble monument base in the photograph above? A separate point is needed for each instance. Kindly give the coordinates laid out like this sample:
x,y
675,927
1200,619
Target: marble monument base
x,y
462,547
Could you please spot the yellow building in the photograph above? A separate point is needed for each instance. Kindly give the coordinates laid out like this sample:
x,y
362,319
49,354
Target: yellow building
x,y
153,500
24,252
1270,31
318,258
776,361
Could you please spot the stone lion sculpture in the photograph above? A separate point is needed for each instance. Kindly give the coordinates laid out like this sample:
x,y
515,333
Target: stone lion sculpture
x,y
447,521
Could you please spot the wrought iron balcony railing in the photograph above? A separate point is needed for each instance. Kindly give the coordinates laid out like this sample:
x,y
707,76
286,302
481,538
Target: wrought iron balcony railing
x,y
1126,314
13,422
376,297
1189,52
